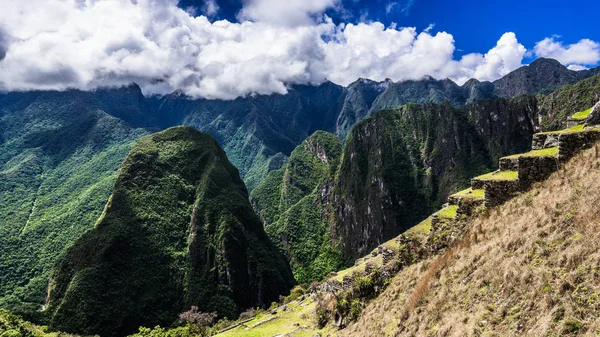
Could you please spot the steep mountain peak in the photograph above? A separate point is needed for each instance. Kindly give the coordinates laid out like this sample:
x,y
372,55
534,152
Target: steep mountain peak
x,y
546,62
471,83
178,231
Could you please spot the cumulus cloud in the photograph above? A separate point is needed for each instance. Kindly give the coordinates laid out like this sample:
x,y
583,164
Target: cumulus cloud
x,y
288,12
576,56
87,44
505,57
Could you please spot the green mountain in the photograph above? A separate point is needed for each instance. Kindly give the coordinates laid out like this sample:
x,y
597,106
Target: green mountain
x,y
178,231
59,156
292,204
542,76
395,169
358,101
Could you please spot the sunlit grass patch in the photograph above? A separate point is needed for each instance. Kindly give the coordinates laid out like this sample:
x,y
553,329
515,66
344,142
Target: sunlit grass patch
x,y
448,212
500,175
582,114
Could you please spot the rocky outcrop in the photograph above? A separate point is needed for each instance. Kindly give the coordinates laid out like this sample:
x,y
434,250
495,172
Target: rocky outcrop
x,y
594,117
177,232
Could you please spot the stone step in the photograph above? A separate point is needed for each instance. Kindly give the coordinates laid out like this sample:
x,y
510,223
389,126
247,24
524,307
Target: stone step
x,y
478,183
537,165
446,214
574,140
498,186
543,140
510,163
467,201
469,193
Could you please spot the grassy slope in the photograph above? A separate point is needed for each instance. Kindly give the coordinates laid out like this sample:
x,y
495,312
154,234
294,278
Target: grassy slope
x,y
59,157
529,267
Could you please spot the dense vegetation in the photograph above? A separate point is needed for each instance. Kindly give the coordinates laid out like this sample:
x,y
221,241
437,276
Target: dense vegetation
x,y
59,154
293,207
146,261
259,132
397,166
14,326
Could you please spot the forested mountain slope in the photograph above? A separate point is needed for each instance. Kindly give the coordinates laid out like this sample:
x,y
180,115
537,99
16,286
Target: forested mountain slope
x,y
178,231
59,156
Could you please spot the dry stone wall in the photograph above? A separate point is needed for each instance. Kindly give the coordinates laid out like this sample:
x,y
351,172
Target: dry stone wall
x,y
498,192
534,169
571,143
509,164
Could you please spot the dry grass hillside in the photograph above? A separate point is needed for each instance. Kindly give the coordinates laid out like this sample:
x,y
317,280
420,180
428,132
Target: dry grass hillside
x,y
528,268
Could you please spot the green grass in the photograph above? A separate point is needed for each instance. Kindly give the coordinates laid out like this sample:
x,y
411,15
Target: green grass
x,y
574,129
424,227
500,175
582,115
548,152
448,212
470,193
284,323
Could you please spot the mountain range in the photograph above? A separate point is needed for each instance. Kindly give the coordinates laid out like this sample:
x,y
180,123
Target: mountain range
x,y
61,155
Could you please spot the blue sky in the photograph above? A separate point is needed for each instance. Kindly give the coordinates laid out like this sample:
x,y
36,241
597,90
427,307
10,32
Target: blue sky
x,y
475,24
224,49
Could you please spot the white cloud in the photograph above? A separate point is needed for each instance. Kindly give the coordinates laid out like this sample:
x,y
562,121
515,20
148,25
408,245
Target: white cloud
x,y
86,44
577,67
287,13
584,52
210,8
505,57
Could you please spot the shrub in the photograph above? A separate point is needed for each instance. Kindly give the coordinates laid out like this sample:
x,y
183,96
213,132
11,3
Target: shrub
x,y
326,308
296,293
198,322
250,313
